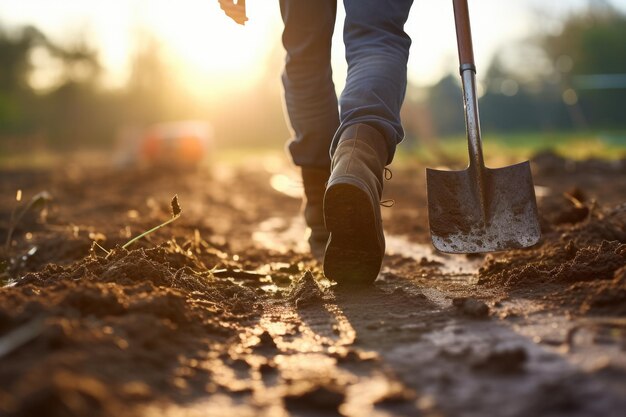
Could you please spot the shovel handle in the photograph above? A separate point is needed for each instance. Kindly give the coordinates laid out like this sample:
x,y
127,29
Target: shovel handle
x,y
463,35
468,78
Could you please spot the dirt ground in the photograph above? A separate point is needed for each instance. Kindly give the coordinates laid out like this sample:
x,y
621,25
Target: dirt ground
x,y
223,313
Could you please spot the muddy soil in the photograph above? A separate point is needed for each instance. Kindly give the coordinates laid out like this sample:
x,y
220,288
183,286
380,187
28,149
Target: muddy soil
x,y
223,312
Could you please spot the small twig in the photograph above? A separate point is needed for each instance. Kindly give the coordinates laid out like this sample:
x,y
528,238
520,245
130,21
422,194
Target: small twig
x,y
176,212
96,244
576,202
133,240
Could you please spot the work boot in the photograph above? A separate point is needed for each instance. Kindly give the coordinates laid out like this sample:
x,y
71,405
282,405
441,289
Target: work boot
x,y
354,253
314,181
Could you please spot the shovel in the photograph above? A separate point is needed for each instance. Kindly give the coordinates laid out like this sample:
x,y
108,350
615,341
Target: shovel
x,y
479,209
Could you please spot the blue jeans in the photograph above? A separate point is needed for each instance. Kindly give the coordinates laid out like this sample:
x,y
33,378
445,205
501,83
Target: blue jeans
x,y
377,50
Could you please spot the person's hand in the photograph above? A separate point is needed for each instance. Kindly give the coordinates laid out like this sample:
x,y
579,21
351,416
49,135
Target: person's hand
x,y
234,9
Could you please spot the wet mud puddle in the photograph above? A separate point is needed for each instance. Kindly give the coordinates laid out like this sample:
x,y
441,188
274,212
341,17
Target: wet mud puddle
x,y
283,234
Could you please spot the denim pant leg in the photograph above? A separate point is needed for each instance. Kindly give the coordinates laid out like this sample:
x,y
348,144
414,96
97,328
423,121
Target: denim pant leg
x,y
377,51
310,95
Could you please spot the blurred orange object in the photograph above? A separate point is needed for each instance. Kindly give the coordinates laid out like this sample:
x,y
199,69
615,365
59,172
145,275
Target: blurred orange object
x,y
174,143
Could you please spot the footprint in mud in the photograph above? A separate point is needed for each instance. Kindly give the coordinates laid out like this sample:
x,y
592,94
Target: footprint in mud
x,y
269,374
266,345
326,399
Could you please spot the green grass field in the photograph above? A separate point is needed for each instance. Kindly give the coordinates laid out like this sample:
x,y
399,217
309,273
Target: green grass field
x,y
501,148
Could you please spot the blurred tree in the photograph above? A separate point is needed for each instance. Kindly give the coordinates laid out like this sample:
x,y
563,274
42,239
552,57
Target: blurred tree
x,y
515,101
14,57
589,56
15,92
66,111
80,62
150,83
446,106
573,79
73,111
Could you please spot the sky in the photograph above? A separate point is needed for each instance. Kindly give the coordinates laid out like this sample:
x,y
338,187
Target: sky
x,y
213,51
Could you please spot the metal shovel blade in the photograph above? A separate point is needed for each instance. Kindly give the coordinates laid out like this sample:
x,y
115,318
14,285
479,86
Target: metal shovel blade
x,y
479,209
496,212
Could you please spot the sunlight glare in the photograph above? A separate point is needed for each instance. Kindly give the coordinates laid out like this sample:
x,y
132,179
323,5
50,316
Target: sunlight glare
x,y
208,48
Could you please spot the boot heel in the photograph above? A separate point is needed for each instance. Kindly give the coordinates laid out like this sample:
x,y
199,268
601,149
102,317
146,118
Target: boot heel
x,y
354,252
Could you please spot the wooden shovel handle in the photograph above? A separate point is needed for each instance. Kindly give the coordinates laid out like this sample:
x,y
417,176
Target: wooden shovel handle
x,y
463,35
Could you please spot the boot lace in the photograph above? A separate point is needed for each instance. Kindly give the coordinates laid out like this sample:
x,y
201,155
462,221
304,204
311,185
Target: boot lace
x,y
390,201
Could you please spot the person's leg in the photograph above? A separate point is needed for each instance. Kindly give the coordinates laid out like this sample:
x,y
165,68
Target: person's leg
x,y
377,51
310,95
311,102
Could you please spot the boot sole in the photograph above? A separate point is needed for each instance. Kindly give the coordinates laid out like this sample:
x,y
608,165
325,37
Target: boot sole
x,y
354,252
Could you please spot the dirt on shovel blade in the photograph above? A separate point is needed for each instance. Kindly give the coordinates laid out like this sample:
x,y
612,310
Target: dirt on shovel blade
x,y
223,312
